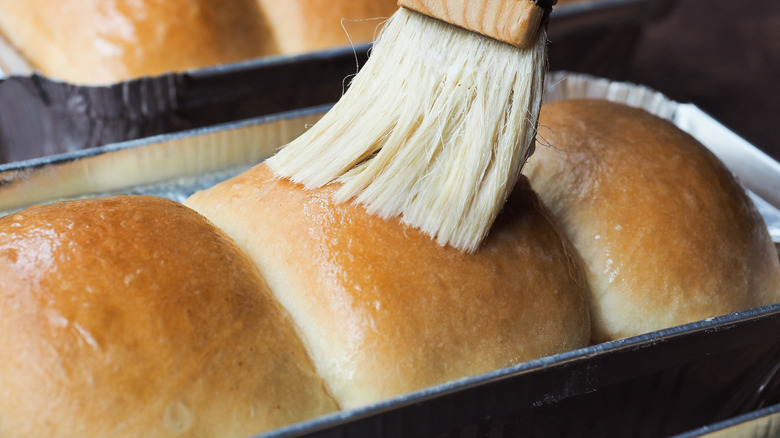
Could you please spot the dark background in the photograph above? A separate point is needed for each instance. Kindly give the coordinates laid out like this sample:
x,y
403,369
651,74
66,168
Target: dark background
x,y
721,55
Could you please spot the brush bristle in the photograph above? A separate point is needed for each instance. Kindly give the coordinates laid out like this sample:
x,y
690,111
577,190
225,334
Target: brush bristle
x,y
434,128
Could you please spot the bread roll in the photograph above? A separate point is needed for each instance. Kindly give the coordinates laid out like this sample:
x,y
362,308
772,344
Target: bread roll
x,y
306,25
667,234
99,42
385,310
135,316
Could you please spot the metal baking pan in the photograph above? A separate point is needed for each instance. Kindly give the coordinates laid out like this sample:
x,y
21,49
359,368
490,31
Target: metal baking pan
x,y
42,117
658,384
762,423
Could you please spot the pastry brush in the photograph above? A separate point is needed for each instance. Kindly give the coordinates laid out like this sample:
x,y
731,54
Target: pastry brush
x,y
436,126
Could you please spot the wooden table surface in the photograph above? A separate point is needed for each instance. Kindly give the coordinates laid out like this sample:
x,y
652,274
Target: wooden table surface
x,y
721,55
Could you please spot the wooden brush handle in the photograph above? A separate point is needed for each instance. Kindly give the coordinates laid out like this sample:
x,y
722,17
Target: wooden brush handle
x,y
515,22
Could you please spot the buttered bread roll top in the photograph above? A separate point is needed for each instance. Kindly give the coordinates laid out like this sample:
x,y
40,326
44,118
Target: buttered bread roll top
x,y
667,234
100,42
384,309
135,316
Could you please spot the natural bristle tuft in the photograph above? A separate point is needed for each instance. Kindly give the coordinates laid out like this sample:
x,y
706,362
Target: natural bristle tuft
x,y
435,128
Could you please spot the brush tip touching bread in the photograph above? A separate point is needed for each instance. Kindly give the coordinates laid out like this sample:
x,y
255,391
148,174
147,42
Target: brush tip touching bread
x,y
426,131
135,316
382,307
667,234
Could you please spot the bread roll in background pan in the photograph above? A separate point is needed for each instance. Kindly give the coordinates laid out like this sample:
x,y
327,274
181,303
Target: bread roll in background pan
x,y
93,42
385,310
667,235
135,316
300,26
99,42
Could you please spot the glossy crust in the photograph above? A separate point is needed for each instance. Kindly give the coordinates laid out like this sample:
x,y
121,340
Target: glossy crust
x,y
384,309
306,25
100,42
667,234
135,316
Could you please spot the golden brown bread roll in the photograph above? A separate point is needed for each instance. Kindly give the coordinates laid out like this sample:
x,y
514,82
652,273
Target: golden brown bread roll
x,y
306,25
667,234
99,42
385,310
135,316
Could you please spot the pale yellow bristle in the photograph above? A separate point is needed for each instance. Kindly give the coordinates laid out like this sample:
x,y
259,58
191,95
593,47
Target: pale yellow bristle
x,y
435,128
